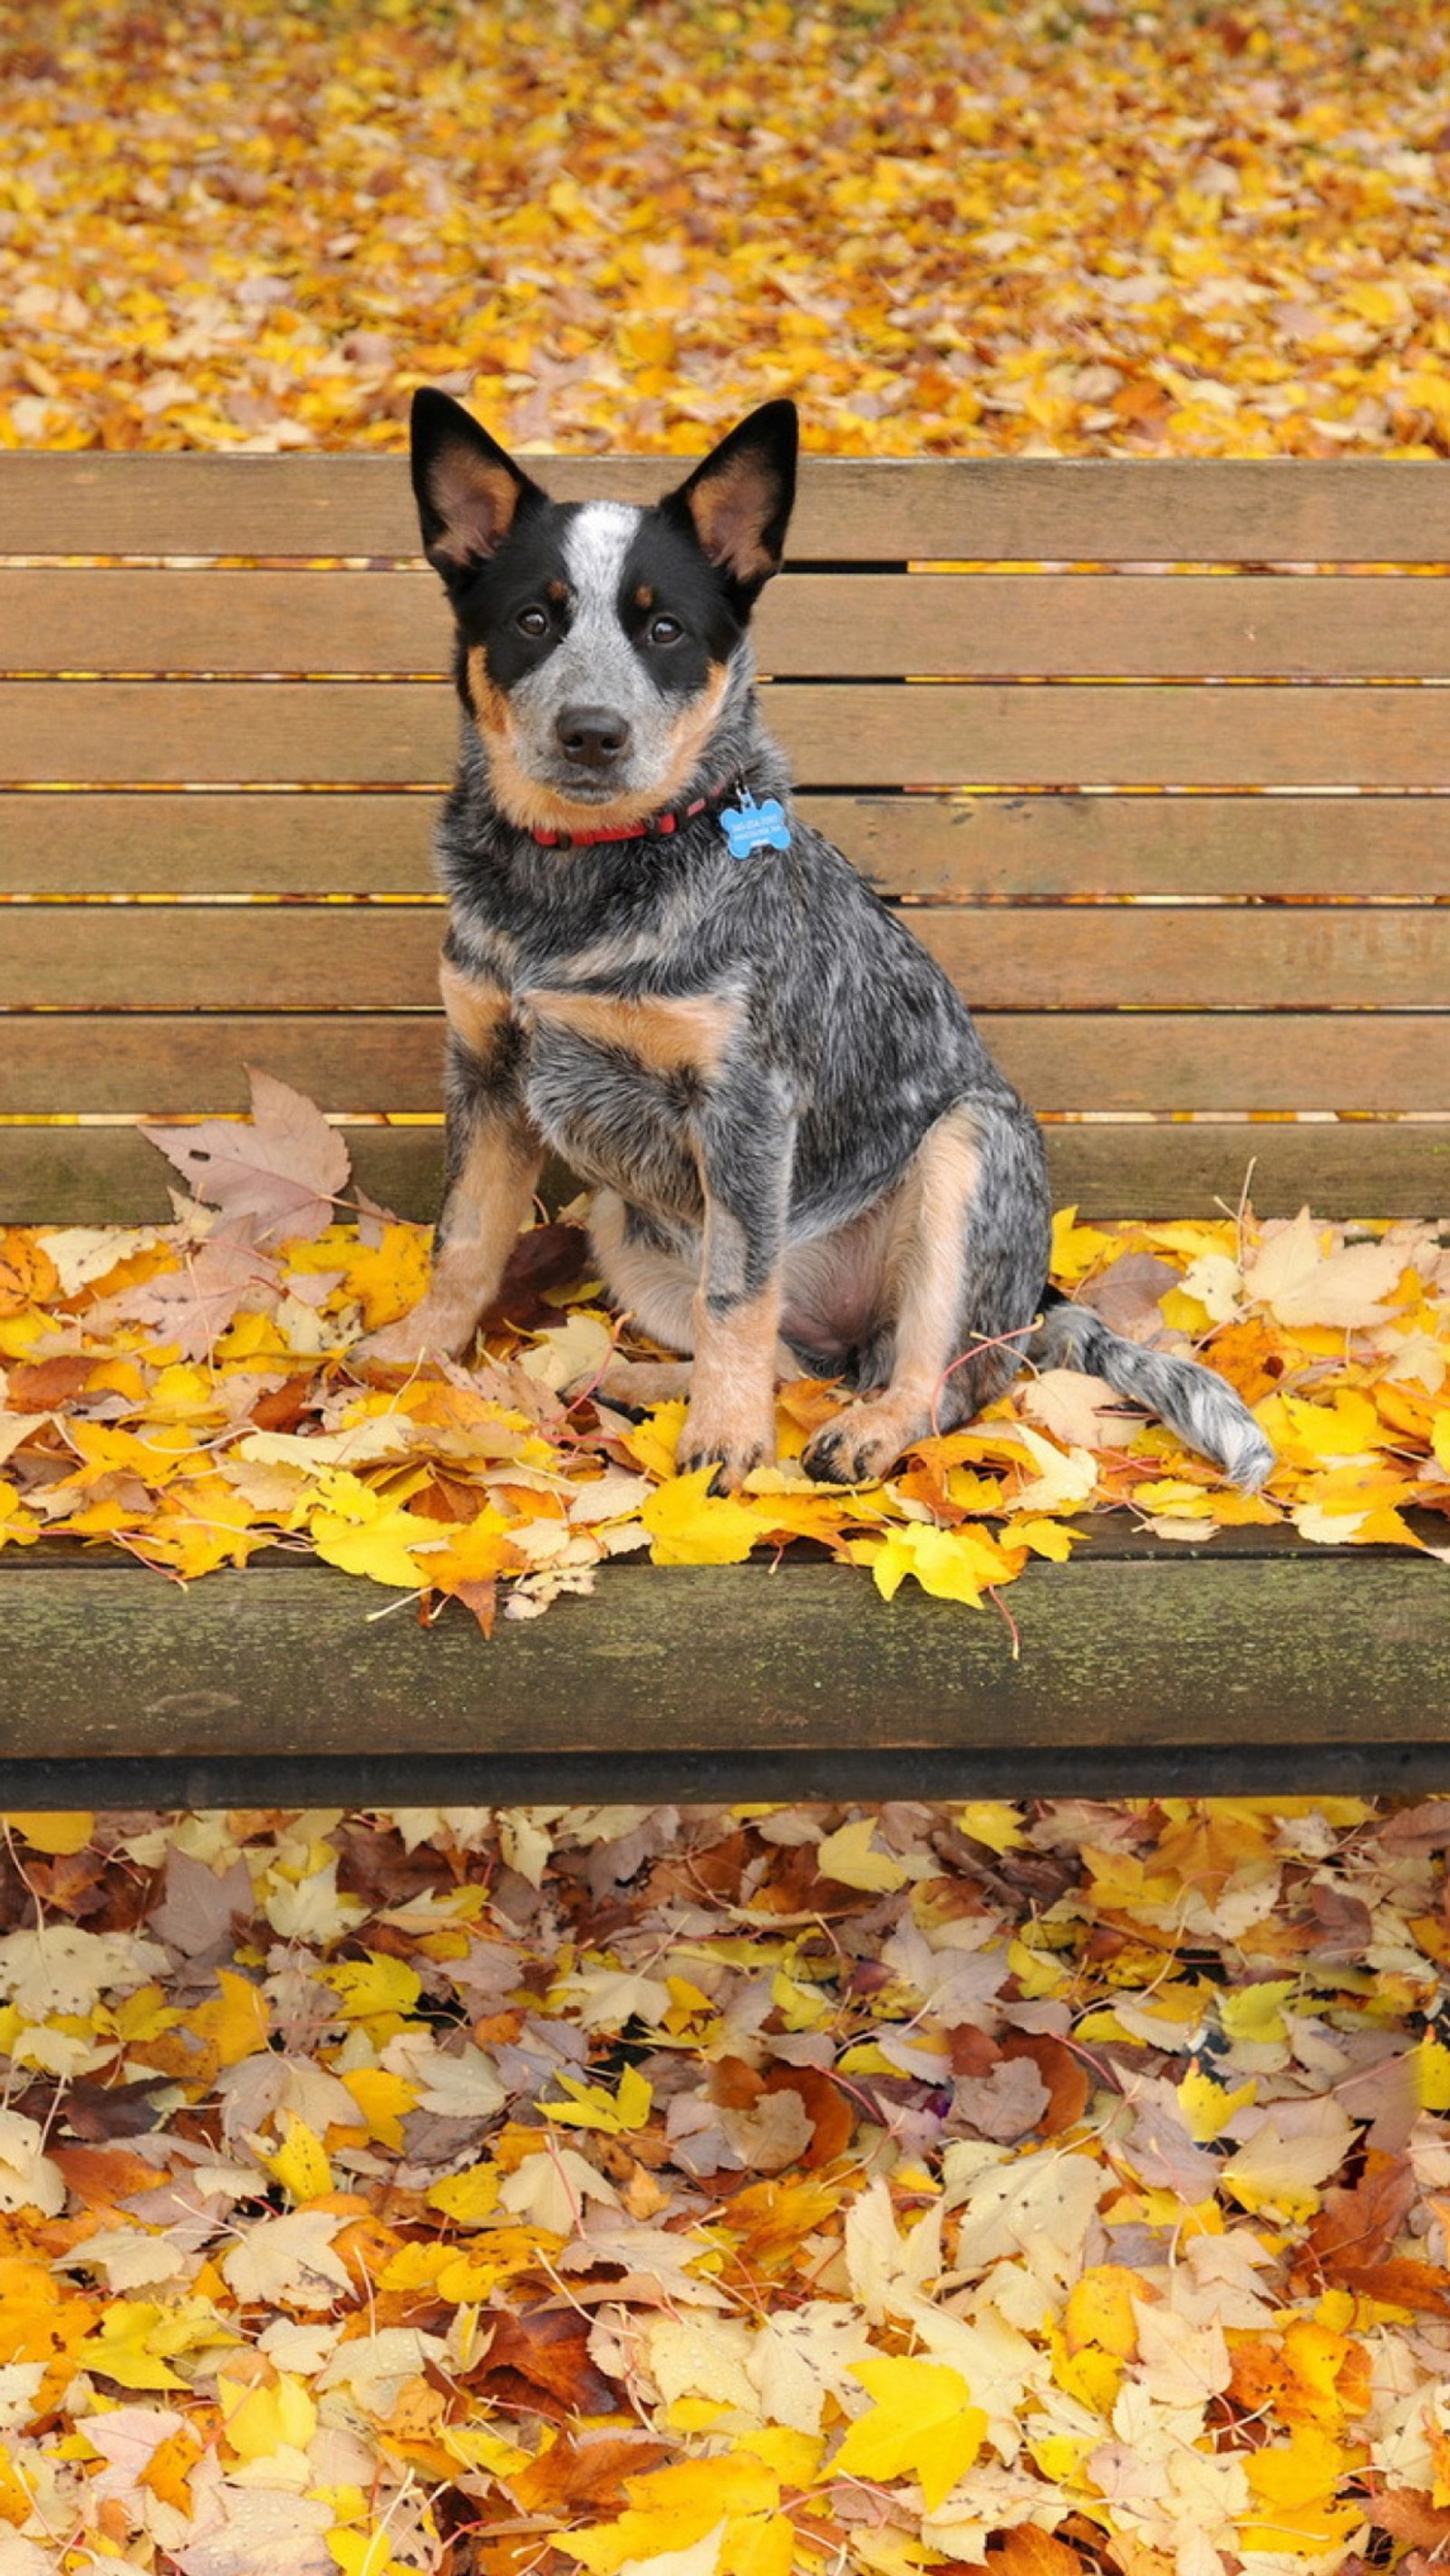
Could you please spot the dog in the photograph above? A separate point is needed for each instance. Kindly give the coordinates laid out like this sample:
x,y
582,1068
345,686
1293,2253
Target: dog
x,y
804,1162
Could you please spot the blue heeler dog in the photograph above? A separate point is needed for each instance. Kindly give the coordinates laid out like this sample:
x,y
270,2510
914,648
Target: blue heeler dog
x,y
803,1159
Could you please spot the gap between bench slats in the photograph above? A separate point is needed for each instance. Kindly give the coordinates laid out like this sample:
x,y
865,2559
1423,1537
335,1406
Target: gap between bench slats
x,y
837,735
385,957
820,625
937,848
990,509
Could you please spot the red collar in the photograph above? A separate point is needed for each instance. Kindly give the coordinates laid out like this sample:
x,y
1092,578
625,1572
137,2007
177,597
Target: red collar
x,y
657,827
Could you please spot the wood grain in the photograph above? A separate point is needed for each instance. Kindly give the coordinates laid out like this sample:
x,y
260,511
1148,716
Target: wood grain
x,y
1360,1168
1246,1674
871,509
163,1064
936,848
379,957
142,732
811,625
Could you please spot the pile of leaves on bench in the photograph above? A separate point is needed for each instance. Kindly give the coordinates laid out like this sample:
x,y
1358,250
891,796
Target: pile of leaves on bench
x,y
189,1392
723,2192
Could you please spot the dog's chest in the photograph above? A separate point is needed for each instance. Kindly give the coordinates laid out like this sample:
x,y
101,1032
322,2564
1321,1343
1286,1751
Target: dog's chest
x,y
611,1078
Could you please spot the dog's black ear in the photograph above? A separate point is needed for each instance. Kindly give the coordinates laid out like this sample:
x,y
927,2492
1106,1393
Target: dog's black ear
x,y
739,500
469,492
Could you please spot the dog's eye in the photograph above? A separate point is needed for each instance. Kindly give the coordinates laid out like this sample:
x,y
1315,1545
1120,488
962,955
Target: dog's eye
x,y
532,621
664,630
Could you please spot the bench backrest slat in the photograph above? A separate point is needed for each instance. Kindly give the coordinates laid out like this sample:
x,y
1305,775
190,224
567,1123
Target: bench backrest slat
x,y
1180,834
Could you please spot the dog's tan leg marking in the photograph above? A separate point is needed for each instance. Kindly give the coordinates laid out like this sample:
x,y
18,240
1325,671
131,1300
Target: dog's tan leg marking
x,y
477,1009
667,1035
486,1205
644,1381
731,1421
924,1266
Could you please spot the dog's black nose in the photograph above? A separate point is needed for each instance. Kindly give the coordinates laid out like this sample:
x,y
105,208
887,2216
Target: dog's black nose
x,y
593,737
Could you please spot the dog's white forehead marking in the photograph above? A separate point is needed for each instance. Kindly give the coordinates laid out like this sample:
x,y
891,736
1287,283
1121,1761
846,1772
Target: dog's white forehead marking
x,y
595,547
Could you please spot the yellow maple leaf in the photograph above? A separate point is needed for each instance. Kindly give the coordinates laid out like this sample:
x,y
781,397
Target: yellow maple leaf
x,y
952,1565
1431,2063
364,1533
379,1983
993,1822
1100,2310
690,1526
591,2107
1293,2484
59,1833
237,2024
382,2099
125,2348
672,2508
259,2422
922,2424
1253,2012
300,2164
388,1278
850,1856
365,2553
467,2198
1208,2107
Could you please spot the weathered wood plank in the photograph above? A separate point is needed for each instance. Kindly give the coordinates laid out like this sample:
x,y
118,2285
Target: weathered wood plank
x,y
163,1064
935,848
1362,1168
810,625
326,956
146,732
1218,1677
869,509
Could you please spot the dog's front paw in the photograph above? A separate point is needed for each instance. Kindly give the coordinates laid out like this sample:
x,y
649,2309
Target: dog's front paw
x,y
731,1448
425,1333
862,1444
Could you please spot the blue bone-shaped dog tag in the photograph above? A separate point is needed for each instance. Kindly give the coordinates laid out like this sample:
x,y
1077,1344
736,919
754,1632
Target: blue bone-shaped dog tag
x,y
749,827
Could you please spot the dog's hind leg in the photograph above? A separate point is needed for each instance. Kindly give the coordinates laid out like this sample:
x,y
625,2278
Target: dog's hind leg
x,y
962,1284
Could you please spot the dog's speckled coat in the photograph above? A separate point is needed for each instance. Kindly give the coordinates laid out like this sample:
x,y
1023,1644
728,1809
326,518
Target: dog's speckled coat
x,y
802,1154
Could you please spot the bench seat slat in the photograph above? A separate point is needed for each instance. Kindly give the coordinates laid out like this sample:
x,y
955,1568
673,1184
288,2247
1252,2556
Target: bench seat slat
x,y
384,957
116,732
169,1064
939,848
808,625
1359,1168
990,509
1247,1673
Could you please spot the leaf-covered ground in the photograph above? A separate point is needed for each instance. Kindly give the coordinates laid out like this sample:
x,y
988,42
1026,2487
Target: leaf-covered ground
x,y
1068,224
193,1392
747,2189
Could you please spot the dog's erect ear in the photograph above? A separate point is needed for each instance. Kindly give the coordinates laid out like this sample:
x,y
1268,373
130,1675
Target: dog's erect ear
x,y
469,492
739,500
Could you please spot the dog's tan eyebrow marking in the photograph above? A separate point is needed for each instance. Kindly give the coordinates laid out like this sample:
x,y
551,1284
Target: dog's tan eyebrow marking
x,y
476,1007
558,591
644,597
669,1035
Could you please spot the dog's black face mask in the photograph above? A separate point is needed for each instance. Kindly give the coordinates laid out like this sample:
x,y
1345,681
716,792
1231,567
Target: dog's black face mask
x,y
599,643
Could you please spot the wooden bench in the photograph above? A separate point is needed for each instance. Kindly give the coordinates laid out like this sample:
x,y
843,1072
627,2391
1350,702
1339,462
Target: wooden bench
x,y
227,722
